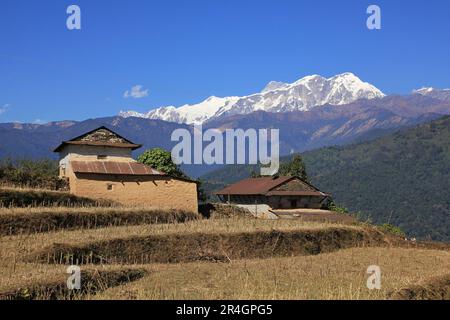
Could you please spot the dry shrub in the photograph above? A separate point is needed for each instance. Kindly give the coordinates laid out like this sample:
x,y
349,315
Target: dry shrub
x,y
433,289
219,211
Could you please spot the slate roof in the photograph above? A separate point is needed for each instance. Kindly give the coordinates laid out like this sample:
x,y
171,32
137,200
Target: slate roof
x,y
114,167
266,185
101,136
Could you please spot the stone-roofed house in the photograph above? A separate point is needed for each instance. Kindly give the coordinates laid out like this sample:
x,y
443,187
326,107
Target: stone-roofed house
x,y
99,165
277,192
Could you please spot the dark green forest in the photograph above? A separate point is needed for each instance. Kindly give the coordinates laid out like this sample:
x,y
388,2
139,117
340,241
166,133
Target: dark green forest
x,y
402,178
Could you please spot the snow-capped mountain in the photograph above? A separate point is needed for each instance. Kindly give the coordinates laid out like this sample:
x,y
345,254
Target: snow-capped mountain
x,y
301,95
440,94
189,114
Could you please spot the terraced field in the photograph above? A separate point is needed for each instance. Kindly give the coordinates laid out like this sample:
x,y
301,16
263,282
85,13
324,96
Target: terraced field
x,y
138,254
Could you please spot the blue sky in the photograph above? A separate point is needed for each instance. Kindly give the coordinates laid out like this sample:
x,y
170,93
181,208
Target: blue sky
x,y
184,51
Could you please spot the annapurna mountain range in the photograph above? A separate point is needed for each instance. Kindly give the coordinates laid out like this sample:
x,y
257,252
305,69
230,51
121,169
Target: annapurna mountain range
x,y
311,113
301,95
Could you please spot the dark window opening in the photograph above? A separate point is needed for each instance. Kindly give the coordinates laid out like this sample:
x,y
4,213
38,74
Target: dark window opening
x,y
102,156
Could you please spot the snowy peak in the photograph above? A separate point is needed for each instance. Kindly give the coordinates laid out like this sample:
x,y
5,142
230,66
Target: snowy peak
x,y
301,95
424,91
351,85
191,114
274,85
305,94
440,94
308,79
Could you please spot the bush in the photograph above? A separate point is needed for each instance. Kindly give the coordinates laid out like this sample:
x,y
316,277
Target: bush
x,y
41,174
337,208
161,160
37,198
392,229
220,210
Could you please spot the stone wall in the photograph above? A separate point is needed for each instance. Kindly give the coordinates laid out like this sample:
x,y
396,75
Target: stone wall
x,y
90,153
292,202
277,202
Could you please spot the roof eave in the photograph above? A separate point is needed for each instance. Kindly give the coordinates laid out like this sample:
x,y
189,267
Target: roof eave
x,y
137,147
65,143
237,194
59,148
162,174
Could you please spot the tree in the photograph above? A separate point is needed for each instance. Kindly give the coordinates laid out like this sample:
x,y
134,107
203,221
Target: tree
x,y
31,173
201,195
161,159
295,168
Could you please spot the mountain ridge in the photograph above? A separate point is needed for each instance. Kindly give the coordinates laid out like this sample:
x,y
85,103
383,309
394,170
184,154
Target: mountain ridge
x,y
299,130
301,95
440,94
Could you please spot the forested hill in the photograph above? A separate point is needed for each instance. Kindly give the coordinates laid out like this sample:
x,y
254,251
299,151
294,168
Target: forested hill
x,y
402,178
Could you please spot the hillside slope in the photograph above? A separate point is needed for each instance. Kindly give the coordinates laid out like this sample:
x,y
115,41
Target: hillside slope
x,y
402,178
38,141
299,130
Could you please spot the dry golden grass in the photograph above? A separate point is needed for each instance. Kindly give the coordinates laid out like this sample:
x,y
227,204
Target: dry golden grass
x,y
74,210
338,275
14,248
20,275
32,242
39,220
435,288
10,187
24,197
174,248
37,282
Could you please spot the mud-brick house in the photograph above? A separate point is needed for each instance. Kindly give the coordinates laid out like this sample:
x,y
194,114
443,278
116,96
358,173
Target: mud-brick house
x,y
99,165
277,192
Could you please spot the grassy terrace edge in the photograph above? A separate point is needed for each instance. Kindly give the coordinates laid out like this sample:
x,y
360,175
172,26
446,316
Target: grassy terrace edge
x,y
216,247
93,282
13,222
